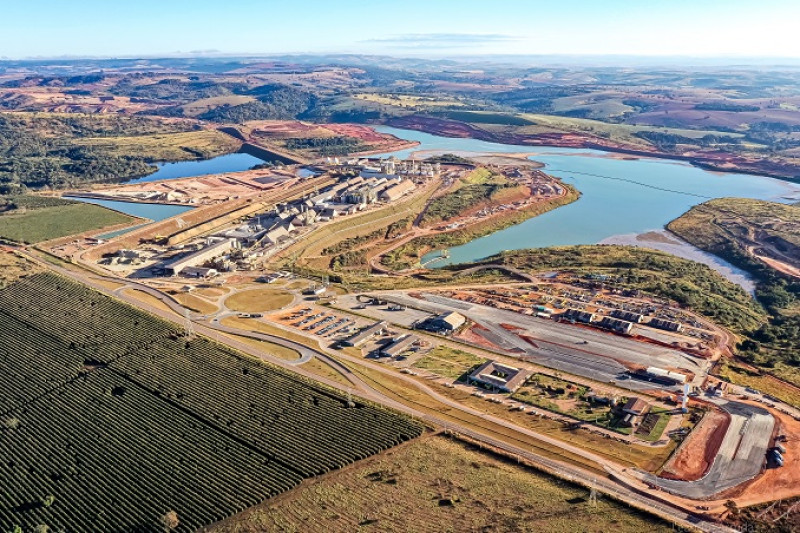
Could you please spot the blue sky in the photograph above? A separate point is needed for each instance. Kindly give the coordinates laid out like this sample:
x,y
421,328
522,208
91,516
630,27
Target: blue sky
x,y
439,28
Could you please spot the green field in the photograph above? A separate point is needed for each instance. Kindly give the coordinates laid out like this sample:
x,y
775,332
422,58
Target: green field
x,y
448,362
55,219
137,417
198,107
438,484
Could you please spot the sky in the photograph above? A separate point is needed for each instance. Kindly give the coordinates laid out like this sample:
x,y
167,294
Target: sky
x,y
428,28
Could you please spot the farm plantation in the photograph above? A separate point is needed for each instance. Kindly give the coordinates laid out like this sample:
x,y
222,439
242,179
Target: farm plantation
x,y
186,426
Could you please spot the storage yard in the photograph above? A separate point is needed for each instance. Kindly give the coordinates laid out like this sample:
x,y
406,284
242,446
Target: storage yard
x,y
569,347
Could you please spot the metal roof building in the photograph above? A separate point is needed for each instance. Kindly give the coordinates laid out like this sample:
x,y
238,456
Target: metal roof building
x,y
365,334
399,345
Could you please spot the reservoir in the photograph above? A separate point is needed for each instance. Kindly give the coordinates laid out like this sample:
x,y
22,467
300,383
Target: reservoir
x,y
154,212
620,196
187,169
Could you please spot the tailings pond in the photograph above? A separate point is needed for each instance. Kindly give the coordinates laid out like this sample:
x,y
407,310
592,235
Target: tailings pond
x,y
187,169
153,212
620,195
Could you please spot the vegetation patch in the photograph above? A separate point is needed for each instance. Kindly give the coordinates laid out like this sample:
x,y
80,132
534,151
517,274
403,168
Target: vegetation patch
x,y
483,117
259,300
736,230
65,150
326,146
408,255
436,481
449,362
54,218
688,283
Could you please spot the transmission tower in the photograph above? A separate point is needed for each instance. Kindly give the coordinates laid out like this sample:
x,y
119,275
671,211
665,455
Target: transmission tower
x,y
593,495
188,326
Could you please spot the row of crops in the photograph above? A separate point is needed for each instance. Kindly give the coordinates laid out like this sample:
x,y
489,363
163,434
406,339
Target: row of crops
x,y
85,319
276,412
110,419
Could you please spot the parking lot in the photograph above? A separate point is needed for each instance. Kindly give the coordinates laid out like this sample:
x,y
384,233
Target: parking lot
x,y
319,322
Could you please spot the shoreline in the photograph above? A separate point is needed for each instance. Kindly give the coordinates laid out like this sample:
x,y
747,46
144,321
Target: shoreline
x,y
666,241
578,141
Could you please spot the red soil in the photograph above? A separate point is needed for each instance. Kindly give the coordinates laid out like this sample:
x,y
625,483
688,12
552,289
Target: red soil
x,y
469,335
696,455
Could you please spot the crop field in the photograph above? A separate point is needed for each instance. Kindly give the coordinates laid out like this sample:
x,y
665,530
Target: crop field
x,y
438,484
44,221
138,416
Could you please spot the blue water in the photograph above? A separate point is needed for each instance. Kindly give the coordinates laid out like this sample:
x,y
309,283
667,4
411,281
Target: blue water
x,y
154,212
618,196
188,169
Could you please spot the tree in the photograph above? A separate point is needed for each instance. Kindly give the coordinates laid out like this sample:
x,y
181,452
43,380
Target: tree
x,y
731,506
170,521
48,500
11,423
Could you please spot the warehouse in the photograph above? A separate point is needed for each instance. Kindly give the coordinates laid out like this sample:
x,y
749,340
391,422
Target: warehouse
x,y
445,323
396,191
365,334
619,326
399,345
667,325
578,316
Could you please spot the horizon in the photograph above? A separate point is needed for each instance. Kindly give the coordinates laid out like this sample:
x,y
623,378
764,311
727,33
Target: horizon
x,y
46,29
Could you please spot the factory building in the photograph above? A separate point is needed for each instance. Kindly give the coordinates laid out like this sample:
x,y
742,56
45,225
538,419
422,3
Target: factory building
x,y
212,251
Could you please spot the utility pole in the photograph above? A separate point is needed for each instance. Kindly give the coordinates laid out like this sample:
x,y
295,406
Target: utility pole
x,y
593,494
188,326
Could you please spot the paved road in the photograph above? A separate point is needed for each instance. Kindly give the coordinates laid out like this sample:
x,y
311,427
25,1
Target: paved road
x,y
740,457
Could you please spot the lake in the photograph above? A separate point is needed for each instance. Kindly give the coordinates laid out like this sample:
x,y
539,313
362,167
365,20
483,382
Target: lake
x,y
154,212
187,169
619,196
